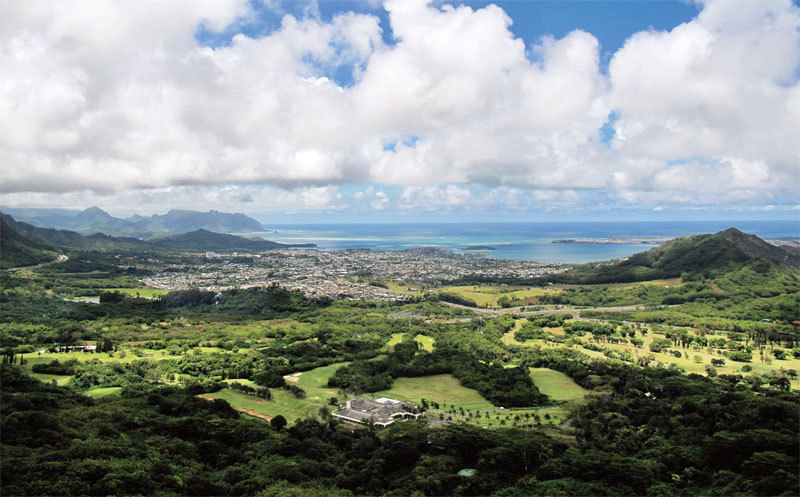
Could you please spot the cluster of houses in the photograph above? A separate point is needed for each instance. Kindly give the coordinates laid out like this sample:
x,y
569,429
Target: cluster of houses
x,y
380,412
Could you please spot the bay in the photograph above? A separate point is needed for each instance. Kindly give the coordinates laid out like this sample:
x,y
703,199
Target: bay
x,y
516,241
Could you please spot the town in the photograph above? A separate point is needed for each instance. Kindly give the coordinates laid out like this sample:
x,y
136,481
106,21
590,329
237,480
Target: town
x,y
348,274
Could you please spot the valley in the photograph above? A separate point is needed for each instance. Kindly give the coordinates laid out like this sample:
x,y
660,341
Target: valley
x,y
240,341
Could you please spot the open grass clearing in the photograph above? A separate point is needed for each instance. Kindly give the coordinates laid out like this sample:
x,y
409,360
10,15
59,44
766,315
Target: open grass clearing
x,y
406,289
394,340
425,342
440,388
145,292
48,378
99,393
557,385
313,382
487,296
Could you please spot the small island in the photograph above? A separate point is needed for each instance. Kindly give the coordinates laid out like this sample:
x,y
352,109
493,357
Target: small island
x,y
478,248
648,241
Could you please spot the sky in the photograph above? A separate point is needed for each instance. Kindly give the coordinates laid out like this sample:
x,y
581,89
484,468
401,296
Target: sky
x,y
403,110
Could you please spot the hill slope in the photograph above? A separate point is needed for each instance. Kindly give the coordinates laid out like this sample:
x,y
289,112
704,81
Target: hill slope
x,y
200,240
72,239
18,250
206,240
700,254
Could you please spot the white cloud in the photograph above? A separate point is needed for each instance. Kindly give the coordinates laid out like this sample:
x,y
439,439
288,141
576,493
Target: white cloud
x,y
114,97
720,92
249,199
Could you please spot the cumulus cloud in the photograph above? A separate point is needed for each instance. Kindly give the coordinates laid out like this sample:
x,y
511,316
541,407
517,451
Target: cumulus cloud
x,y
116,97
248,199
719,93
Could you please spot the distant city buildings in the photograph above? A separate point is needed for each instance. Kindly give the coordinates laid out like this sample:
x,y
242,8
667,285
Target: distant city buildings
x,y
341,275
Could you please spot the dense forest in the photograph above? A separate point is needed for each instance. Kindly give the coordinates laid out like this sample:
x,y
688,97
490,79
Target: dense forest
x,y
661,433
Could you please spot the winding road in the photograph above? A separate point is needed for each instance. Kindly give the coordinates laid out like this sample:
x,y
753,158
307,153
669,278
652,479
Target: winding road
x,y
61,258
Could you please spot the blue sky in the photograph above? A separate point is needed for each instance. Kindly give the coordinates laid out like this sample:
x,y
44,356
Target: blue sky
x,y
405,110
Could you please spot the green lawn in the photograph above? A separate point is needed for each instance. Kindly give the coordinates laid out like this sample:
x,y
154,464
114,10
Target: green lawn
x,y
396,338
99,393
486,296
557,385
48,378
441,388
425,342
313,382
148,293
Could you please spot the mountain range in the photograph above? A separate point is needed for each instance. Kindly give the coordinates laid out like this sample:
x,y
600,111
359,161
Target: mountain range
x,y
22,244
96,220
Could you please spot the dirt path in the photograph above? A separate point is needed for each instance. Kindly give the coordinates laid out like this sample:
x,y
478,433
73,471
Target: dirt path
x,y
249,412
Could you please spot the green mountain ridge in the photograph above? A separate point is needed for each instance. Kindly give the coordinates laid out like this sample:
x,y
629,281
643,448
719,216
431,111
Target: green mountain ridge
x,y
74,240
18,250
208,240
695,255
199,240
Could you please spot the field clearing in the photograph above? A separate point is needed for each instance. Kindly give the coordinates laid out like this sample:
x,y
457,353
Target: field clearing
x,y
508,337
406,289
665,282
528,293
99,393
487,296
557,385
441,388
48,378
145,292
313,382
425,342
394,340
474,293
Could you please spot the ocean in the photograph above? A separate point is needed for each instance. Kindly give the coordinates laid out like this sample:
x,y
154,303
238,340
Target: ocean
x,y
517,241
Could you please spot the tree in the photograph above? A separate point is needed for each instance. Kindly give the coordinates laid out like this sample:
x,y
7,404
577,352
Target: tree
x,y
278,422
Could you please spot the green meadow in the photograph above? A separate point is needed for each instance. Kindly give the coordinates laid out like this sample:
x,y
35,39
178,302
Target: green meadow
x,y
557,385
441,388
425,342
283,403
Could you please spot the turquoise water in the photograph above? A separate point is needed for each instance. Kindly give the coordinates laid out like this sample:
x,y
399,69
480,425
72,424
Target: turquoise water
x,y
518,241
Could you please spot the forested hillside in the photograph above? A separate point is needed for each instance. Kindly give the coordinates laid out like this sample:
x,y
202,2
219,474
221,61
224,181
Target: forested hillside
x,y
700,255
17,250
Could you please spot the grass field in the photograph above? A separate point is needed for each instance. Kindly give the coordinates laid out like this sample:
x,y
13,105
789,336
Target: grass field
x,y
487,296
396,338
313,382
441,388
148,293
557,385
48,378
99,393
508,337
425,342
407,289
